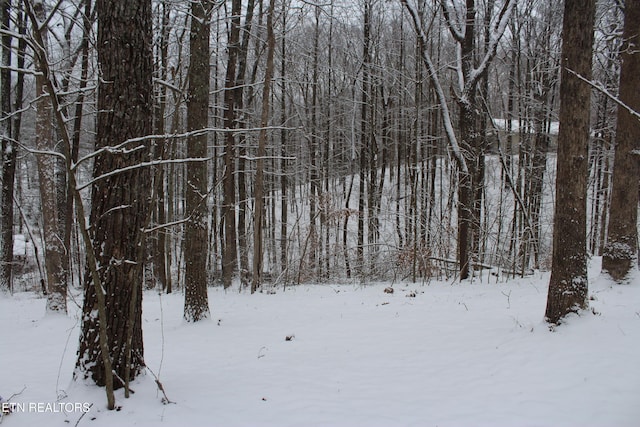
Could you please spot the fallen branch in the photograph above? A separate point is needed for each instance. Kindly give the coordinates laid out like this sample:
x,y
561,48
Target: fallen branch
x,y
160,386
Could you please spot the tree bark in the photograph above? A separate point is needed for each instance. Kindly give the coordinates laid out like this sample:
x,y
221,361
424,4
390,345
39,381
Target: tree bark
x,y
241,172
568,285
196,304
284,206
7,156
119,203
364,136
262,140
229,253
53,238
161,254
620,255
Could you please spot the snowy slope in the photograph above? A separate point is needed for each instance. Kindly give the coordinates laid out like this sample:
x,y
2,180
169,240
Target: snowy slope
x,y
454,355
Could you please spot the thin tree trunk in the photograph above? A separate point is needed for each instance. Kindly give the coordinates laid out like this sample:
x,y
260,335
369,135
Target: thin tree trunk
x,y
284,208
364,136
262,139
229,253
87,22
159,237
7,156
239,94
54,250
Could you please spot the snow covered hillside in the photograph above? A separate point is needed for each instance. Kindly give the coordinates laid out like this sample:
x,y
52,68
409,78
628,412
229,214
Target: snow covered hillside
x,y
440,354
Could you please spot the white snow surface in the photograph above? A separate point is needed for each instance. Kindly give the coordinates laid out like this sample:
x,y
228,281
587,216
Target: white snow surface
x,y
470,354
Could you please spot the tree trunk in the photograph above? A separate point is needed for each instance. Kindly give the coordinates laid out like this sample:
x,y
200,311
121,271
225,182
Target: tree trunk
x,y
568,285
284,206
196,305
229,253
465,192
621,251
54,250
119,203
10,155
262,139
241,172
468,224
7,156
159,237
364,136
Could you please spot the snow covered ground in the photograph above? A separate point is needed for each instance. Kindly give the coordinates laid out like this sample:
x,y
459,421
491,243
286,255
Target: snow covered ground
x,y
454,355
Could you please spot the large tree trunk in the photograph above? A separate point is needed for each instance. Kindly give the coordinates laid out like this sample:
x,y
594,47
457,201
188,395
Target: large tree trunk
x,y
621,251
568,285
196,305
119,203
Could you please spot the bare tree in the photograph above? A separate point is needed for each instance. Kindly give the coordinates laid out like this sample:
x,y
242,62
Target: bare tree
x,y
568,285
468,77
621,251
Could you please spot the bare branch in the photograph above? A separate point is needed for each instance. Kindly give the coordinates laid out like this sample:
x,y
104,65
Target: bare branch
x,y
498,31
17,394
457,34
20,70
446,116
45,23
600,88
139,166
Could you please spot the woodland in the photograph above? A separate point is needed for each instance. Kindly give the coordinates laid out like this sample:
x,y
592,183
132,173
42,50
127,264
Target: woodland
x,y
174,146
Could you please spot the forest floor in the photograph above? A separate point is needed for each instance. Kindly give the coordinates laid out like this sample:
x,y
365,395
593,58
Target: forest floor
x,y
437,354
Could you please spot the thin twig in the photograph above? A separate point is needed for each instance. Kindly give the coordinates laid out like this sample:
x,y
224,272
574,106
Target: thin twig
x,y
17,394
508,298
81,416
